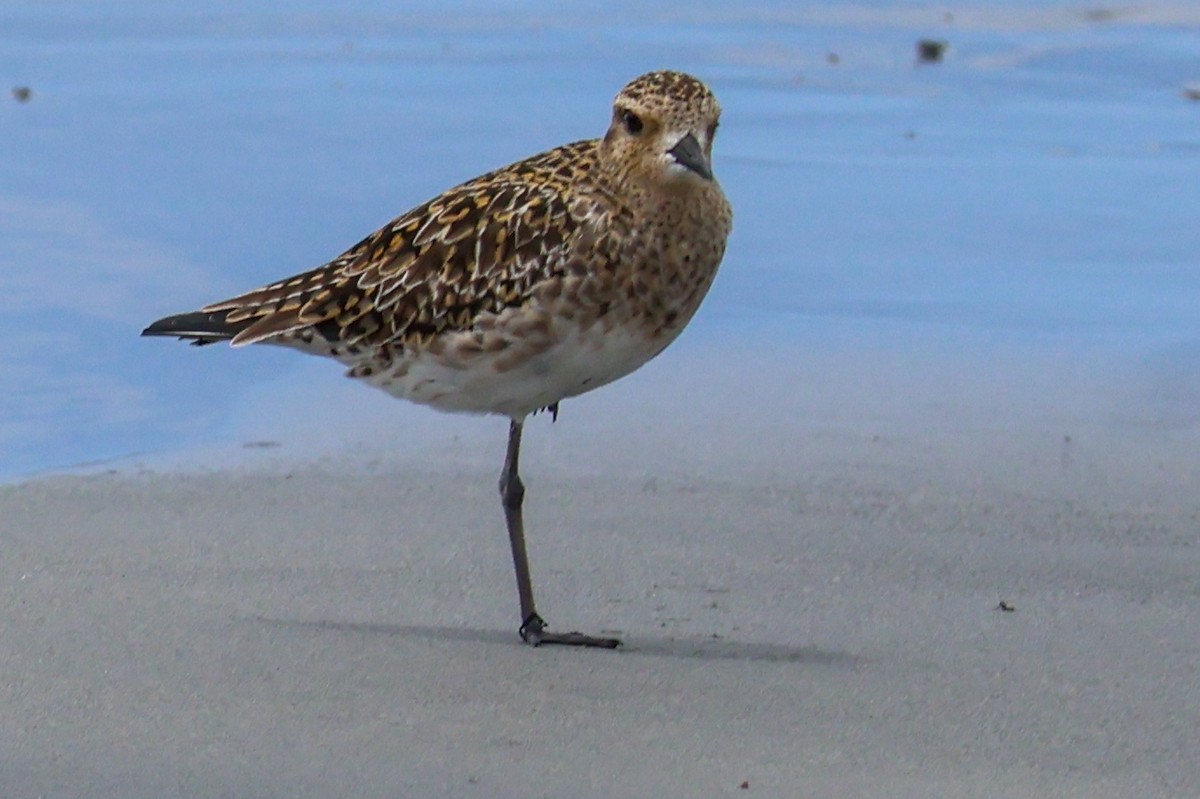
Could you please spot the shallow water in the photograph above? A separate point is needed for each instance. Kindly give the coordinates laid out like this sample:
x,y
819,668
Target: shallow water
x,y
1027,205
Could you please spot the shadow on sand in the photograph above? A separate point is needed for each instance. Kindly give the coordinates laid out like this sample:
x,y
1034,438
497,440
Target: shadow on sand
x,y
653,646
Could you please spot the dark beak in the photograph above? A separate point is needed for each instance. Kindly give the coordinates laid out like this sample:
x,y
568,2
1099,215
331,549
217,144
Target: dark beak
x,y
688,153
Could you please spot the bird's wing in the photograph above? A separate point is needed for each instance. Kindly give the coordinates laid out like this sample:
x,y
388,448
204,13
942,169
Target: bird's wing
x,y
478,247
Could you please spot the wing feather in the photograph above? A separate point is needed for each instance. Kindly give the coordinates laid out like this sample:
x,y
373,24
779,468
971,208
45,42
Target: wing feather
x,y
477,248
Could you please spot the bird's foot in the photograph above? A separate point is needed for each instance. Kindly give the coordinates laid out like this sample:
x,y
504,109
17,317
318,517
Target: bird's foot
x,y
534,633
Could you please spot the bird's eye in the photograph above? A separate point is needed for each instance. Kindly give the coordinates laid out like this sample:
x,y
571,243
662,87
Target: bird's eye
x,y
631,121
712,130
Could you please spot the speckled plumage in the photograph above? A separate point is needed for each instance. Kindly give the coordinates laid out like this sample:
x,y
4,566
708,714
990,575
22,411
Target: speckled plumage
x,y
525,286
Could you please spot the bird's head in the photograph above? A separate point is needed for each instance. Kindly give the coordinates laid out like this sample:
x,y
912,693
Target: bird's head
x,y
662,131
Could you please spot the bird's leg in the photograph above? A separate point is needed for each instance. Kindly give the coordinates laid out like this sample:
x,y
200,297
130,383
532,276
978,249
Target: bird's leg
x,y
512,493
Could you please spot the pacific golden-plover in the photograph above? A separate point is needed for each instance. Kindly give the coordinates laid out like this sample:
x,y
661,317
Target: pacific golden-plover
x,y
518,289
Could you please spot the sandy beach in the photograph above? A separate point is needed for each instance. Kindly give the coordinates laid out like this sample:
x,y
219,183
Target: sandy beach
x,y
814,614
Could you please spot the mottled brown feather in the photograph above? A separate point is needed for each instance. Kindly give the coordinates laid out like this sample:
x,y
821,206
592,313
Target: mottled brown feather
x,y
470,250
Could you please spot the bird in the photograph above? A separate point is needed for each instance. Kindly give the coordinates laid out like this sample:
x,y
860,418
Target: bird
x,y
518,289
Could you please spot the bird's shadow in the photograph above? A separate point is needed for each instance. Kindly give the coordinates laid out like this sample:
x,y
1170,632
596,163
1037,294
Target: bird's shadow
x,y
692,648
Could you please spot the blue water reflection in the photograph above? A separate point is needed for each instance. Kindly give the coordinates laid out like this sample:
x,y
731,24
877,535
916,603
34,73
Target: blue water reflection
x,y
1040,184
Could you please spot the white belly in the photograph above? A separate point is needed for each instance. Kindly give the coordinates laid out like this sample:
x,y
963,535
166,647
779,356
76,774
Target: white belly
x,y
530,371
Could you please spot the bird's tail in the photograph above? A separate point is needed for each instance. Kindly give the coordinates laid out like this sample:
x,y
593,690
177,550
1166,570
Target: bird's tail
x,y
197,327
